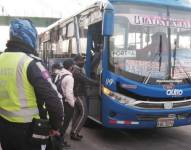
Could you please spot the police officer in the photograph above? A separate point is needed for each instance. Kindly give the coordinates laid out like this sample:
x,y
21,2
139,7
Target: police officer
x,y
24,83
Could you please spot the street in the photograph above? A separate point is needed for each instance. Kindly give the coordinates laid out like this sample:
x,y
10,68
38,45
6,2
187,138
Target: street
x,y
100,138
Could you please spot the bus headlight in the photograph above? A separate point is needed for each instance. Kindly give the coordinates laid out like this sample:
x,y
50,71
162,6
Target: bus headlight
x,y
118,97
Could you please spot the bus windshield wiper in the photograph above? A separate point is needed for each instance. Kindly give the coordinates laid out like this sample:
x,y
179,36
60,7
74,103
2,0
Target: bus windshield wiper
x,y
174,58
159,53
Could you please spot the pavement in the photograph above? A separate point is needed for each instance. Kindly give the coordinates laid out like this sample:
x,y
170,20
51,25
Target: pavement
x,y
100,138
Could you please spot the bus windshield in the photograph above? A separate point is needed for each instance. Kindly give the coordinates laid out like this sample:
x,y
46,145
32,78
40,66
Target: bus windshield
x,y
151,43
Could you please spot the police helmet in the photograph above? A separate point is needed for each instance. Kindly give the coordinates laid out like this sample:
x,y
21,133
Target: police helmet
x,y
24,30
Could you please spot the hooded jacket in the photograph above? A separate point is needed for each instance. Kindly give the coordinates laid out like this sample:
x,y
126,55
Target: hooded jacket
x,y
67,85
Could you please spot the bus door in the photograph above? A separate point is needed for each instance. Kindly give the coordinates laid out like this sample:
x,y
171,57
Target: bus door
x,y
94,68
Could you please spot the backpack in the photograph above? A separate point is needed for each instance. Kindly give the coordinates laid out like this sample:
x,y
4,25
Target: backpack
x,y
58,81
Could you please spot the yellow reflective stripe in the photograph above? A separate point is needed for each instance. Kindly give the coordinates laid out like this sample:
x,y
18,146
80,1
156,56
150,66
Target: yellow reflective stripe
x,y
20,82
27,113
22,112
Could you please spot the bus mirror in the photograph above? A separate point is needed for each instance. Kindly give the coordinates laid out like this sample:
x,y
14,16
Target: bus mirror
x,y
108,20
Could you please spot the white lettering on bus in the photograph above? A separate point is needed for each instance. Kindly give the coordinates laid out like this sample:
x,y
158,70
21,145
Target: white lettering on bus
x,y
138,19
124,53
174,92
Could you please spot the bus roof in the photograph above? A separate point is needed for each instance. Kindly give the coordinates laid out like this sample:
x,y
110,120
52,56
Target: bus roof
x,y
98,3
186,4
182,4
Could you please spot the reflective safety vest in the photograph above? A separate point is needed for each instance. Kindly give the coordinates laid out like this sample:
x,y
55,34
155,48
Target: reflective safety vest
x,y
17,96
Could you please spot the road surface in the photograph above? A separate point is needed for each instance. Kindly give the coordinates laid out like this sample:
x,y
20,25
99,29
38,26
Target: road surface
x,y
99,138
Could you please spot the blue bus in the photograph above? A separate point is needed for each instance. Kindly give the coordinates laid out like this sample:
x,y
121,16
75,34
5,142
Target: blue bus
x,y
140,53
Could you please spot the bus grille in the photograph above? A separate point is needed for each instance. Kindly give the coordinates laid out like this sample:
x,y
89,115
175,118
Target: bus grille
x,y
162,104
148,117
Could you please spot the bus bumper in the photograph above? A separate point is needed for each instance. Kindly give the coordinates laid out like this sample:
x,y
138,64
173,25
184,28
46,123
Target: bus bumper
x,y
117,115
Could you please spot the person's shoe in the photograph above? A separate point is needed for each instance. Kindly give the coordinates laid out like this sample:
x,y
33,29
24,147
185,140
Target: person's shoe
x,y
80,136
75,137
65,145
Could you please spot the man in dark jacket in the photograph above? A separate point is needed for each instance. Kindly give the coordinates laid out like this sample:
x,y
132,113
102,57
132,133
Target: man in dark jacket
x,y
26,85
80,107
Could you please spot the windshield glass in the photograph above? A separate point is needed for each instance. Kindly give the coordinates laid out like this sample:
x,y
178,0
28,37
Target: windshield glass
x,y
140,49
181,45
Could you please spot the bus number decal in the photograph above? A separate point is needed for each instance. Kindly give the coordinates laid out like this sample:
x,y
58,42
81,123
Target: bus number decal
x,y
109,81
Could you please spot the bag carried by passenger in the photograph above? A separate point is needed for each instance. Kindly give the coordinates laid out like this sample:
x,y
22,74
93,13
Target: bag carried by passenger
x,y
58,83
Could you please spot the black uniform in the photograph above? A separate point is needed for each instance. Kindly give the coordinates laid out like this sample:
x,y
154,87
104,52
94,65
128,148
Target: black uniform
x,y
80,108
13,136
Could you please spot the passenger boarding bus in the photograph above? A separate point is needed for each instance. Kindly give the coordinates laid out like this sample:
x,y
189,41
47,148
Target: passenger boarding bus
x,y
140,53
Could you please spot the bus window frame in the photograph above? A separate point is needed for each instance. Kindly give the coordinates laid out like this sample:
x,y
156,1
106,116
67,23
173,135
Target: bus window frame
x,y
64,31
71,24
